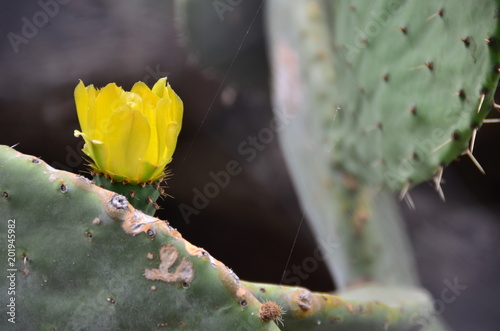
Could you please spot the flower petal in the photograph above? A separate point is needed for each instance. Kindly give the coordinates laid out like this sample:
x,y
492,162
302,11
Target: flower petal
x,y
82,105
162,108
127,138
149,100
177,107
173,130
96,150
148,172
108,99
159,87
145,93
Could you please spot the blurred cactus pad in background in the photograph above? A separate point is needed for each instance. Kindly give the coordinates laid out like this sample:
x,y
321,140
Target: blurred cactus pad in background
x,y
370,99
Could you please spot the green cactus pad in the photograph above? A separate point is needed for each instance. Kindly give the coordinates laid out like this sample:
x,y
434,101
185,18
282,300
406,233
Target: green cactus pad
x,y
86,259
366,308
413,79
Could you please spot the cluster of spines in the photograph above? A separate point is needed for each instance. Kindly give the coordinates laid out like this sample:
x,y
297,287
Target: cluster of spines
x,y
458,135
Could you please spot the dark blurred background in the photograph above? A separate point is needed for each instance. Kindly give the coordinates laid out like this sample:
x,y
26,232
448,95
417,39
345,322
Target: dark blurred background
x,y
47,46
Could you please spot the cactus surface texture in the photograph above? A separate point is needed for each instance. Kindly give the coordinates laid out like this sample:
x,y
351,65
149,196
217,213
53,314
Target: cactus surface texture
x,y
413,79
86,259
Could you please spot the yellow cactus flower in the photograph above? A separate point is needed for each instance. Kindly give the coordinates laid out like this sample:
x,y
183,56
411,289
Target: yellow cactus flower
x,y
130,136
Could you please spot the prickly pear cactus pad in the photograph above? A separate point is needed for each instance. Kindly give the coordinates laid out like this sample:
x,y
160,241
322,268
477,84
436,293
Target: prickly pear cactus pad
x,y
85,259
365,308
413,79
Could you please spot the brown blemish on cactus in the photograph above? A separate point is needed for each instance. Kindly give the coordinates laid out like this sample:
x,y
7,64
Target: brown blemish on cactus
x,y
161,325
149,256
350,182
347,305
5,195
168,256
304,301
35,161
360,218
404,29
193,250
241,292
153,288
386,77
413,110
88,235
430,65
466,41
287,77
111,300
270,311
96,221
131,193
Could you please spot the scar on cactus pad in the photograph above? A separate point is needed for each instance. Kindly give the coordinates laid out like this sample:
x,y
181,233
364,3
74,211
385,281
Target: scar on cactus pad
x,y
130,137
